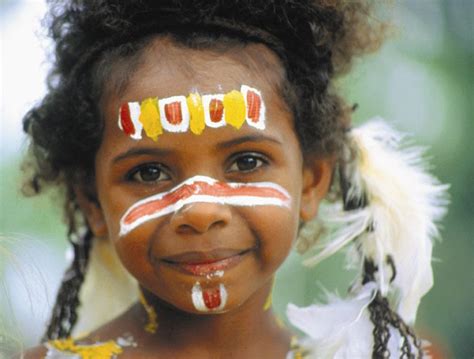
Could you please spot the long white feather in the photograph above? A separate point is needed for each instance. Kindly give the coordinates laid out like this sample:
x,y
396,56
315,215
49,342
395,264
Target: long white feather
x,y
108,289
341,329
404,203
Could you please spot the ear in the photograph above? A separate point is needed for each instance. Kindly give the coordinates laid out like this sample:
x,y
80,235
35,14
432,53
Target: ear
x,y
90,207
317,176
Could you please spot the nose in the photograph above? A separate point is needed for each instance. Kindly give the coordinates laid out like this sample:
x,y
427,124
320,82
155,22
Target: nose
x,y
200,217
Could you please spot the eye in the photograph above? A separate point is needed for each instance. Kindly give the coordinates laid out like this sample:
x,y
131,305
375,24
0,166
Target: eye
x,y
149,173
247,162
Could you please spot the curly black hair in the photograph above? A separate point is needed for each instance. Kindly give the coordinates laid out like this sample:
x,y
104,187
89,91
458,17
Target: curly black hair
x,y
315,41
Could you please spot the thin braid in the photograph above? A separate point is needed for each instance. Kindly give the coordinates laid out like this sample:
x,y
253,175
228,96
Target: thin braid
x,y
382,316
64,315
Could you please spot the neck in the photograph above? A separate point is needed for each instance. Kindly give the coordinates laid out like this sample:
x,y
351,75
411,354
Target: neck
x,y
248,329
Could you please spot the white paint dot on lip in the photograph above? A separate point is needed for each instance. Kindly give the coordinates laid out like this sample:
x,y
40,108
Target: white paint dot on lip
x,y
216,274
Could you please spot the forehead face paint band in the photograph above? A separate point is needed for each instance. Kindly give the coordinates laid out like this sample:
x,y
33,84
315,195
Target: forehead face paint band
x,y
194,113
203,189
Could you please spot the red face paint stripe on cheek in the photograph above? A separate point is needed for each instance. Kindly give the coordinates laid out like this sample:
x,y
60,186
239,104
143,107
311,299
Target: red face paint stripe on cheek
x,y
159,204
254,103
126,120
173,113
218,189
212,298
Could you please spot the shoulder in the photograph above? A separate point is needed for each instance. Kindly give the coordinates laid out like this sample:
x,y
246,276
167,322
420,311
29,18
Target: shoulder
x,y
33,353
69,348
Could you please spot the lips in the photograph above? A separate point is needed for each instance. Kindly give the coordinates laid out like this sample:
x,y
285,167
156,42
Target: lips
x,y
206,263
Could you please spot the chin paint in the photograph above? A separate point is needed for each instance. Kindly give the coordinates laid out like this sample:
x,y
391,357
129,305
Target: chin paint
x,y
209,299
205,190
192,113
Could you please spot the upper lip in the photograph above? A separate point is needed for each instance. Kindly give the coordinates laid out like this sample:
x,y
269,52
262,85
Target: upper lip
x,y
204,257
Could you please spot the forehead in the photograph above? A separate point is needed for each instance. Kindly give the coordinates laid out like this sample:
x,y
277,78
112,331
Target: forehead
x,y
166,69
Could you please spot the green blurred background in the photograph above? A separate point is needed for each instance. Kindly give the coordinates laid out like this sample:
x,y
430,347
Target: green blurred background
x,y
421,82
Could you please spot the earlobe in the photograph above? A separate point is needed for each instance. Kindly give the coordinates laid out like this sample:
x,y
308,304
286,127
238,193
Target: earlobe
x,y
317,176
92,212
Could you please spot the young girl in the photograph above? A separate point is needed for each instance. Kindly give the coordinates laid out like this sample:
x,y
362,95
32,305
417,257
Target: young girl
x,y
195,141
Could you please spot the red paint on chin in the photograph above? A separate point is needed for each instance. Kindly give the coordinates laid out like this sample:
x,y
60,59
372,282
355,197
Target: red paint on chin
x,y
212,298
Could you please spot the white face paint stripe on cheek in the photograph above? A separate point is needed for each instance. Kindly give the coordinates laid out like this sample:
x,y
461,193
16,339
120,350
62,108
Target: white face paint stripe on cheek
x,y
205,190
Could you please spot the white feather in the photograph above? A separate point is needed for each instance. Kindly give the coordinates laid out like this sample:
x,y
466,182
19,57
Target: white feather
x,y
404,202
341,329
108,289
347,227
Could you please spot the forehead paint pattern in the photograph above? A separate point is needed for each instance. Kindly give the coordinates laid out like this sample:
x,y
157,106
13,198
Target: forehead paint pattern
x,y
213,299
203,189
194,113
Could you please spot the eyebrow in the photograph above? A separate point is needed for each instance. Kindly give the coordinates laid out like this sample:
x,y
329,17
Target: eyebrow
x,y
140,151
249,138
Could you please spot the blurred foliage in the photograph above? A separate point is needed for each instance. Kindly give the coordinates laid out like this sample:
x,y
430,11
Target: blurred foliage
x,y
422,81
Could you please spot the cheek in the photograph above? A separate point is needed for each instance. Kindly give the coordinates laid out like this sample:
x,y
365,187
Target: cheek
x,y
133,248
275,229
281,228
115,201
133,252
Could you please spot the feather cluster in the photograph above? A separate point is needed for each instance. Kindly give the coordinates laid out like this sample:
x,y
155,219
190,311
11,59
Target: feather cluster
x,y
340,329
108,288
395,226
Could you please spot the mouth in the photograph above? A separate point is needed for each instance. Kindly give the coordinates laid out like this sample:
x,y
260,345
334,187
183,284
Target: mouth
x,y
206,264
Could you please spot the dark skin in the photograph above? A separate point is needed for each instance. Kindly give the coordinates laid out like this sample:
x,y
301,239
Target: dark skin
x,y
261,236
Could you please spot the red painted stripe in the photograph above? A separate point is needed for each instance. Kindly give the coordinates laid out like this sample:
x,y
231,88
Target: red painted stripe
x,y
216,110
126,120
254,104
212,298
173,113
201,188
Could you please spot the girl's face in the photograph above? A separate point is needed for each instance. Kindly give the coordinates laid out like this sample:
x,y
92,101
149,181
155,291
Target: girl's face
x,y
205,256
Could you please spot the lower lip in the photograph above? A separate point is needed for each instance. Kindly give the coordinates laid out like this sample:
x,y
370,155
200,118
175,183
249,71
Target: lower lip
x,y
210,267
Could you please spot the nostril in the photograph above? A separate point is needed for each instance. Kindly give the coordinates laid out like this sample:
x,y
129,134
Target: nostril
x,y
200,218
185,229
198,228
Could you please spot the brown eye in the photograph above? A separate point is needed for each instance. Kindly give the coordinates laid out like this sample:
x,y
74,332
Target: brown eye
x,y
247,163
149,173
